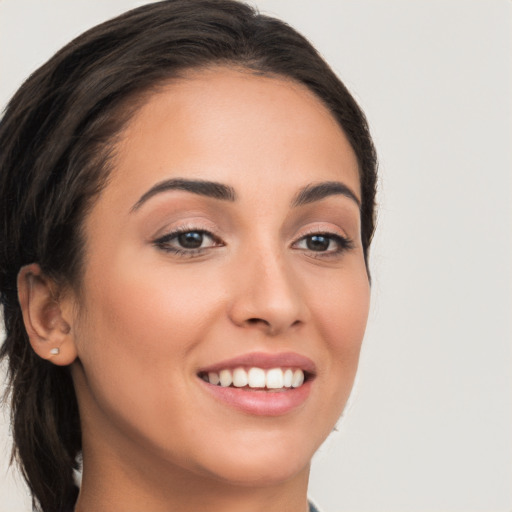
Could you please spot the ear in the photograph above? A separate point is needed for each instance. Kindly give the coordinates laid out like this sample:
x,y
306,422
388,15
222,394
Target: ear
x,y
48,331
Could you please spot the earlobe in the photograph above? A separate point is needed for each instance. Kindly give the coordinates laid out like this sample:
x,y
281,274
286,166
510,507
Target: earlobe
x,y
48,331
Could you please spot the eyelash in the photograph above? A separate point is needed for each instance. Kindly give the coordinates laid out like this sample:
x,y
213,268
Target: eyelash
x,y
343,244
164,243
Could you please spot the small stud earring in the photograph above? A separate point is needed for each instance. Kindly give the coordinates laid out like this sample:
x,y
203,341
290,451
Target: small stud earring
x,y
55,351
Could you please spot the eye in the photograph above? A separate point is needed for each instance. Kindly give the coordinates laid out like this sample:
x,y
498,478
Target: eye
x,y
187,242
318,242
329,243
190,240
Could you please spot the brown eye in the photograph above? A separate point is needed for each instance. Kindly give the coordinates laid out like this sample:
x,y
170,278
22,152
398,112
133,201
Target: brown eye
x,y
190,240
324,244
318,243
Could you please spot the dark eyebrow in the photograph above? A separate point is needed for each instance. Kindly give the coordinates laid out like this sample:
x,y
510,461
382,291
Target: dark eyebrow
x,y
316,192
203,188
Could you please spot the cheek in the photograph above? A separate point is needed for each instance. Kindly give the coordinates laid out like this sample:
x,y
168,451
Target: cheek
x,y
140,321
147,306
341,306
340,316
349,314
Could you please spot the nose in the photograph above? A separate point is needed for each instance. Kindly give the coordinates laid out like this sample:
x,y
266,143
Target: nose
x,y
266,296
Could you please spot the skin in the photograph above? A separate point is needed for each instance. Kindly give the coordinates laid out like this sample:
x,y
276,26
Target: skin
x,y
147,318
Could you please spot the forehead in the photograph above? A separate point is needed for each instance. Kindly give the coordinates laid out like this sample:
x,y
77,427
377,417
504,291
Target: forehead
x,y
235,127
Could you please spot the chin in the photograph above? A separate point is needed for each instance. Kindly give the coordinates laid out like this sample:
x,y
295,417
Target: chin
x,y
264,460
260,472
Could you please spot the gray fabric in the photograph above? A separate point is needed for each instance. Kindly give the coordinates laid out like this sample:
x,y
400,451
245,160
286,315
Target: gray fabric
x,y
312,508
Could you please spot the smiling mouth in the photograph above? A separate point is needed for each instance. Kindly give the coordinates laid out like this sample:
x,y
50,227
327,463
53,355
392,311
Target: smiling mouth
x,y
261,383
257,379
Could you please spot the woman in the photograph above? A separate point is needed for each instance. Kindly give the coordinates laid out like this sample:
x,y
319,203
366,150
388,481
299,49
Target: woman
x,y
187,202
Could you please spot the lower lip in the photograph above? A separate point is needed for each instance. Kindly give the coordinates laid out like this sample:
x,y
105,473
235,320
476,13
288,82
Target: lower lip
x,y
259,402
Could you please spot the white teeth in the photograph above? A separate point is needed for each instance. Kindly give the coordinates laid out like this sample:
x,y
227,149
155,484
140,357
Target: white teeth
x,y
288,377
257,378
213,378
275,378
225,378
298,378
240,378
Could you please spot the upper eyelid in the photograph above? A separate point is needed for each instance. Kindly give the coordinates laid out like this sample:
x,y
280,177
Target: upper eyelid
x,y
321,230
184,228
312,232
179,231
213,230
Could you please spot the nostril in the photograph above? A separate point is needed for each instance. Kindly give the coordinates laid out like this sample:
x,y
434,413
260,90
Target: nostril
x,y
254,321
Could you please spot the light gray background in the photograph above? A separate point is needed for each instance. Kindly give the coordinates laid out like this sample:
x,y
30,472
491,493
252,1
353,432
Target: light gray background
x,y
429,427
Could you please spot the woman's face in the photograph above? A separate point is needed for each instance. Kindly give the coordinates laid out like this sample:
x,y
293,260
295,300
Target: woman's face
x,y
225,245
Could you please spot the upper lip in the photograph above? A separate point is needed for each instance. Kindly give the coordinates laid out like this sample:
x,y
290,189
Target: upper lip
x,y
264,360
